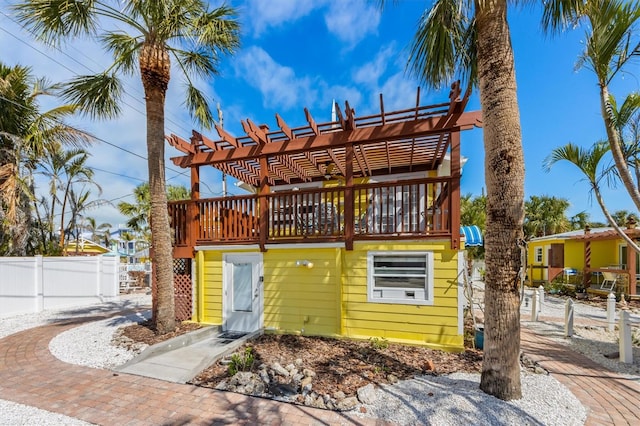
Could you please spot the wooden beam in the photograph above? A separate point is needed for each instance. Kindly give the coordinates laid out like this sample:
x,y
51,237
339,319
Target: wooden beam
x,y
339,116
311,121
225,136
180,144
255,132
350,121
284,127
364,158
362,135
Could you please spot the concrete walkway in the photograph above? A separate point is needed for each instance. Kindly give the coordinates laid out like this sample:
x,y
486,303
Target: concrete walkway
x,y
30,375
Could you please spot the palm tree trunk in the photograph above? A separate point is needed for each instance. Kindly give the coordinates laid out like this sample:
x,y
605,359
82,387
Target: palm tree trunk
x,y
504,174
616,149
154,67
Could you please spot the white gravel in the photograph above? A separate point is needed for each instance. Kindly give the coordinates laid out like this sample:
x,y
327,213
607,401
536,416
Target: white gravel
x,y
444,400
455,400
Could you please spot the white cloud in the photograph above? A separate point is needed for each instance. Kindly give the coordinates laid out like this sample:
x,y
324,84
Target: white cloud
x,y
369,74
399,93
274,13
279,85
352,21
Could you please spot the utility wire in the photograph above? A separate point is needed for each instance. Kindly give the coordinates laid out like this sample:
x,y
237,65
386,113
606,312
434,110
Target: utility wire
x,y
79,63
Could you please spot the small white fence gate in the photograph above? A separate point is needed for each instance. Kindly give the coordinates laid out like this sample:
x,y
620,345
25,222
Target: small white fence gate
x,y
33,284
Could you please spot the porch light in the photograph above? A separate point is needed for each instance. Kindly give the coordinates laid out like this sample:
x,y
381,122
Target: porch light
x,y
305,263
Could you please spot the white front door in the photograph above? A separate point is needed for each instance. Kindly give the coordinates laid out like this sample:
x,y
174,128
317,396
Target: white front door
x,y
243,295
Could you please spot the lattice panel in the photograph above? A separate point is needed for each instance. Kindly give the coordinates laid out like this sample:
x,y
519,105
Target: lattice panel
x,y
183,288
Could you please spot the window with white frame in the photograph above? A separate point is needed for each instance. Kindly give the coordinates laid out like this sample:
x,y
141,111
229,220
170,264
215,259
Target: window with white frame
x,y
400,277
538,255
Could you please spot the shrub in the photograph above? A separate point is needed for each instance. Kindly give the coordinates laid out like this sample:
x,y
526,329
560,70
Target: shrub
x,y
241,362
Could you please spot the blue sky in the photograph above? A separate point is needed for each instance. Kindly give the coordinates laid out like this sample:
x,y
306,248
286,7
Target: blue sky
x,y
306,53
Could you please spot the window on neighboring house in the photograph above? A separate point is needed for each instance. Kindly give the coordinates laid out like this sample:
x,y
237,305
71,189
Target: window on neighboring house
x,y
538,255
400,277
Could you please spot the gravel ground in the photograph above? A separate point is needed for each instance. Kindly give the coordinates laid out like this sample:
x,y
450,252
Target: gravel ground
x,y
444,400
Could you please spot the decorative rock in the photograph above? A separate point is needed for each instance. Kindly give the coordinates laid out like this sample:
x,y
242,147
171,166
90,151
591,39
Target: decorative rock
x,y
306,382
540,370
280,370
347,404
264,376
298,377
282,389
308,373
367,394
339,395
309,400
429,366
319,403
290,368
241,378
298,362
223,386
391,378
326,398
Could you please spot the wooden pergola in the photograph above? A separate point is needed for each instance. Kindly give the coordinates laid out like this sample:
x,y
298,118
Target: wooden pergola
x,y
349,147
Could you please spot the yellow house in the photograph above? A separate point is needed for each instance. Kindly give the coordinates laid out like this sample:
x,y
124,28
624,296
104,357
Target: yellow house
x,y
84,247
352,229
588,253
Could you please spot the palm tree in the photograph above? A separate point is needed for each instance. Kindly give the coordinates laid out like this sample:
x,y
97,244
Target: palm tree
x,y
75,172
183,30
474,39
99,233
139,212
545,215
25,135
611,42
588,161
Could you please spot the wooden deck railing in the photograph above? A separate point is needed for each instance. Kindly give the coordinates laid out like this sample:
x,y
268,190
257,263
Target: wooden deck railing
x,y
418,208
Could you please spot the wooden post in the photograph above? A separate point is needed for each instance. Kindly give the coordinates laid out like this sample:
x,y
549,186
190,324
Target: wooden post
x,y
568,318
349,204
263,203
193,216
631,268
455,189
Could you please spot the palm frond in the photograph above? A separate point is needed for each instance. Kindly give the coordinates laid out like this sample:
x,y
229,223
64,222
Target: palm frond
x,y
96,95
54,20
559,15
434,54
198,105
201,63
124,48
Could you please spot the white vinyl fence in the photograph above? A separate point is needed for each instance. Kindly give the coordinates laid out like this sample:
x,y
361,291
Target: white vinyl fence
x,y
34,284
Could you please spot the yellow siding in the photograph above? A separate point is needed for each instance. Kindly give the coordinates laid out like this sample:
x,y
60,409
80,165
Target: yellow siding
x,y
299,299
604,253
212,288
574,254
330,299
435,326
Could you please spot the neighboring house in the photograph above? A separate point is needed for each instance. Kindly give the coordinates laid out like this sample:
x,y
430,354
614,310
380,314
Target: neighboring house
x,y
588,253
84,247
124,243
352,229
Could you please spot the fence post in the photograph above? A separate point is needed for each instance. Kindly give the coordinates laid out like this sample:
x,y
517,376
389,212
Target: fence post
x,y
541,297
611,311
99,278
39,282
534,306
568,318
626,349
